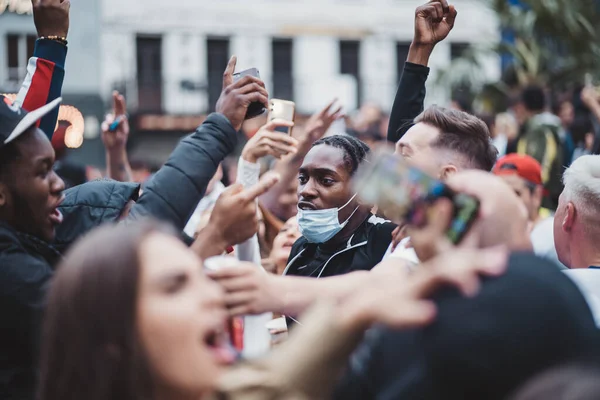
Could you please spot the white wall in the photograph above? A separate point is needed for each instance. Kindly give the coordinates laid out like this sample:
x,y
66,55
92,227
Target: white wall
x,y
316,25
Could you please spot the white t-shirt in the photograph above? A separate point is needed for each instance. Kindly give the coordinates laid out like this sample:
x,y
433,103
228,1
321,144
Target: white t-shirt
x,y
542,238
588,281
403,251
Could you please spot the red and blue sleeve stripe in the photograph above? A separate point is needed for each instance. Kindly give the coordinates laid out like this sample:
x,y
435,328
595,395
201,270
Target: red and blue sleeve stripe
x,y
43,84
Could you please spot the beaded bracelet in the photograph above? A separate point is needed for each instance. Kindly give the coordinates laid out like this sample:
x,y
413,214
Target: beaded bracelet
x,y
59,39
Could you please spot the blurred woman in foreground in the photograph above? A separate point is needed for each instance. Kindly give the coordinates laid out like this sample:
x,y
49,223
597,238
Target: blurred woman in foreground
x,y
131,316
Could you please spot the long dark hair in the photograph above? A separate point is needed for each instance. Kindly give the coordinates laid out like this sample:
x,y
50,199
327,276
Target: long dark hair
x,y
90,348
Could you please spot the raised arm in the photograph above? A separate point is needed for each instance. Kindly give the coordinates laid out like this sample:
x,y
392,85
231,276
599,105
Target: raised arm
x,y
265,142
175,190
115,132
46,69
433,23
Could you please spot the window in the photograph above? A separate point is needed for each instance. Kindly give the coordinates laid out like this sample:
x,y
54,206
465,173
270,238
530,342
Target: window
x,y
283,80
19,48
458,50
217,56
149,67
402,49
350,62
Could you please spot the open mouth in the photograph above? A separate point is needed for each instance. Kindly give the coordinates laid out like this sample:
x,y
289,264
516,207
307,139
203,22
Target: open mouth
x,y
56,217
218,343
304,205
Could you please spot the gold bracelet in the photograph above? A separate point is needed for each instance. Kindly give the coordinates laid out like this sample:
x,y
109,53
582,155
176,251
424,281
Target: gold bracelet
x,y
59,39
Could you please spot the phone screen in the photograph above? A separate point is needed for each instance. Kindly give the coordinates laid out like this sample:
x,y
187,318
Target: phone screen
x,y
406,193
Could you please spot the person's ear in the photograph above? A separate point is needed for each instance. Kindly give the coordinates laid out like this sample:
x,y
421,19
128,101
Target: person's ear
x,y
447,171
569,218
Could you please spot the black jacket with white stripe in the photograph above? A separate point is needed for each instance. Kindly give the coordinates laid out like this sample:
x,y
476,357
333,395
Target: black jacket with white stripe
x,y
365,249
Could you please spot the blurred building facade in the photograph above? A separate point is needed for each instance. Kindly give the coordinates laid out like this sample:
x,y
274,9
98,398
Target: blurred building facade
x,y
168,57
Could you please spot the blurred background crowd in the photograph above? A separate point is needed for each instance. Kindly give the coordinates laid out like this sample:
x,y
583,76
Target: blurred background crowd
x,y
167,59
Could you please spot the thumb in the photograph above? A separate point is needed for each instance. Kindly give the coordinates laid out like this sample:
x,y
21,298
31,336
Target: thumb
x,y
267,181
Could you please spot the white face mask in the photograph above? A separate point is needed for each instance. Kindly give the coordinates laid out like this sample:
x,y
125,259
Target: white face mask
x,y
319,226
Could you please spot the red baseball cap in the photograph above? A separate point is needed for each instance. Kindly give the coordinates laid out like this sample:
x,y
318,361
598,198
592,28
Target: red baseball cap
x,y
524,166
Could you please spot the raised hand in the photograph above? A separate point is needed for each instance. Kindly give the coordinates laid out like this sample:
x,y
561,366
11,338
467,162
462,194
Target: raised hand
x,y
115,128
237,96
433,22
115,132
267,141
233,219
318,124
51,17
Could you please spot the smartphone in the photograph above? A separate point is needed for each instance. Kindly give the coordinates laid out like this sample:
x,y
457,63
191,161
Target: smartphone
x,y
282,109
406,194
254,109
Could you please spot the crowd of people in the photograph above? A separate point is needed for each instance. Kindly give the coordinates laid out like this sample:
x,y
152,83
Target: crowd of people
x,y
267,276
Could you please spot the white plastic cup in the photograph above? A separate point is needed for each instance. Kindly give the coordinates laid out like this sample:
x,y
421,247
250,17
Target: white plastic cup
x,y
218,262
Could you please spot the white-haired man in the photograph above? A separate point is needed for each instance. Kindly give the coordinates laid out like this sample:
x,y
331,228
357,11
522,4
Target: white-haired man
x,y
577,219
577,227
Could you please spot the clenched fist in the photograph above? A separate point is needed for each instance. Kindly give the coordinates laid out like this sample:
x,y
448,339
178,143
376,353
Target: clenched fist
x,y
433,22
51,17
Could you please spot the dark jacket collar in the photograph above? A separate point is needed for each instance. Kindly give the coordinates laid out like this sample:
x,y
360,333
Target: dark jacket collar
x,y
32,245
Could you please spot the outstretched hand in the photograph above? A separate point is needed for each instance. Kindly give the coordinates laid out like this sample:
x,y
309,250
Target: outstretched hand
x,y
318,125
51,17
402,301
249,290
233,219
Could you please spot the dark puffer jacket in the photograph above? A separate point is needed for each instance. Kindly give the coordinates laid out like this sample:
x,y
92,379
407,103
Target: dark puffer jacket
x,y
90,205
27,263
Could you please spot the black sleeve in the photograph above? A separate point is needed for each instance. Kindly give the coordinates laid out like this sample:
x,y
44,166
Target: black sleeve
x,y
380,238
409,100
173,193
